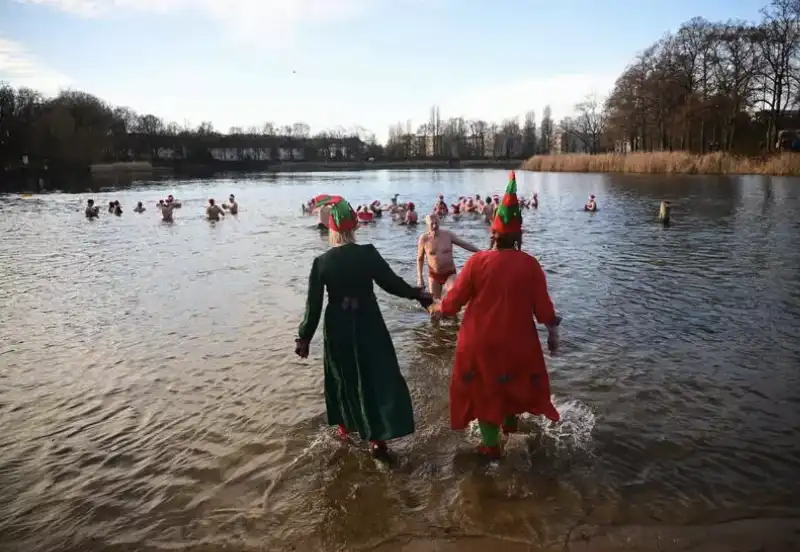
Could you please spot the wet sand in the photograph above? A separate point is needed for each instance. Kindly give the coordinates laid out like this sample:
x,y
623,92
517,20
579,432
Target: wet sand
x,y
761,535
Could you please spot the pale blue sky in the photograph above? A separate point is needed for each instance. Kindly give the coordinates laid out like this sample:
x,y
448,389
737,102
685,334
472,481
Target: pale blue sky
x,y
366,62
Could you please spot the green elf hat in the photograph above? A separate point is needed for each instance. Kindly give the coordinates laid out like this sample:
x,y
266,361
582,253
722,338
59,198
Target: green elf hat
x,y
508,219
342,217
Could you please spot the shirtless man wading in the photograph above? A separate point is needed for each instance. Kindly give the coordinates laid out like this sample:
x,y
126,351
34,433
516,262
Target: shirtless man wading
x,y
437,246
214,211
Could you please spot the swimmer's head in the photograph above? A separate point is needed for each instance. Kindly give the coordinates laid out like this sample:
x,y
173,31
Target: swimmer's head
x,y
432,221
591,197
211,201
110,203
410,206
230,197
89,202
138,203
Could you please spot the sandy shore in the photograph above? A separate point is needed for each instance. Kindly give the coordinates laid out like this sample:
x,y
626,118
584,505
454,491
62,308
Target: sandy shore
x,y
760,535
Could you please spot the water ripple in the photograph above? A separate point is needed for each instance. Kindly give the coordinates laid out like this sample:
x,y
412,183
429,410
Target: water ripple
x,y
150,399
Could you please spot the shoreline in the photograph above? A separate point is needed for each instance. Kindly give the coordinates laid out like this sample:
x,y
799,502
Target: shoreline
x,y
667,162
222,167
125,174
746,535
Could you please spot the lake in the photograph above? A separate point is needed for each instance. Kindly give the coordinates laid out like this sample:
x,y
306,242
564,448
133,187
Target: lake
x,y
150,398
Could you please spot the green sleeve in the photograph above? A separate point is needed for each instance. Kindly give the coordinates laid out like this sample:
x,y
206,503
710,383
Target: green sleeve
x,y
385,277
313,303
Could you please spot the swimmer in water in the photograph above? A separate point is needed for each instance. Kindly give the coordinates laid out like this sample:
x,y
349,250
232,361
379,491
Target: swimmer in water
x,y
92,210
375,207
488,210
233,207
110,206
166,209
117,208
664,213
364,215
535,201
213,211
436,245
591,205
399,214
411,215
393,206
440,208
139,208
470,207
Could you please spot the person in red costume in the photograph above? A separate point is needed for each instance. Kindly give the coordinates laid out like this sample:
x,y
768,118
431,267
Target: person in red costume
x,y
499,370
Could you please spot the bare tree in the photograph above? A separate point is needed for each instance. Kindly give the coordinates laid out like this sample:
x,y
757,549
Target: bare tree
x,y
589,123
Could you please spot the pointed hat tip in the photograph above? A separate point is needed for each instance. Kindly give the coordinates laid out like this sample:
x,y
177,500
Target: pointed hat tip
x,y
512,175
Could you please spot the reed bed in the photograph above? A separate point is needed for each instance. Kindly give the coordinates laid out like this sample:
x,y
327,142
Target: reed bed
x,y
667,162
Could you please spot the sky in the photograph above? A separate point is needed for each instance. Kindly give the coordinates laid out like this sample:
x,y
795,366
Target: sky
x,y
337,63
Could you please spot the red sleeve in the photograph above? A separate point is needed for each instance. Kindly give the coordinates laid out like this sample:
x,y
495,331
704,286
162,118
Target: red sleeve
x,y
543,308
461,292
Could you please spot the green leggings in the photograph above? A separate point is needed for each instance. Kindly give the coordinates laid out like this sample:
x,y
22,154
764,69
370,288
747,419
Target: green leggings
x,y
490,433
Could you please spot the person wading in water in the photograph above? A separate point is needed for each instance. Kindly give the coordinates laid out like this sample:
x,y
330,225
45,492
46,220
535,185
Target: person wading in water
x,y
436,245
499,369
364,389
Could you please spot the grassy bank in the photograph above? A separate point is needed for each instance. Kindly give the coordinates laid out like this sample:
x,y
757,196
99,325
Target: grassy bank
x,y
677,162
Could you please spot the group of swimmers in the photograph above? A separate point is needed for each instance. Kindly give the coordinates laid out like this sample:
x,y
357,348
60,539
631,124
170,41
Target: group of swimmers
x,y
166,207
435,245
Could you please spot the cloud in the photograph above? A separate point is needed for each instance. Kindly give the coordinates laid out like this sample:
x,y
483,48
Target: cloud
x,y
20,68
266,20
498,101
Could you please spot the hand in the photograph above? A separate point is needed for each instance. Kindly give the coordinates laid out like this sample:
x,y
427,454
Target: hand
x,y
301,347
425,299
552,340
420,283
436,312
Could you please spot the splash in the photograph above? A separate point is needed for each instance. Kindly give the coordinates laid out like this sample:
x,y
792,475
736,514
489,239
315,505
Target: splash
x,y
572,433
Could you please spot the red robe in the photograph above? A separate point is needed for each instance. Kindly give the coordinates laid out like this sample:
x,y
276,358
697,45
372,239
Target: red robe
x,y
499,365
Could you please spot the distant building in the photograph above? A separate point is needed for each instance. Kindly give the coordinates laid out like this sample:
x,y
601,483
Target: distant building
x,y
565,141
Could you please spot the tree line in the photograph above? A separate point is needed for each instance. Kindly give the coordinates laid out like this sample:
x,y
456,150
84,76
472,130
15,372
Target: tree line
x,y
729,86
711,86
75,129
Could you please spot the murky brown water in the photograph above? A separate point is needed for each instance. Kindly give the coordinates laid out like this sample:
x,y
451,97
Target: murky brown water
x,y
150,398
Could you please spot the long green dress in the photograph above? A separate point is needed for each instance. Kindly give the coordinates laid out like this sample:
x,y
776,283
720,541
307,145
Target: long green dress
x,y
364,389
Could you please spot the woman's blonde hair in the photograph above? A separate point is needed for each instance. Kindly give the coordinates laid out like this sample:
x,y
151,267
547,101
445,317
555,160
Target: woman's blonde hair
x,y
341,238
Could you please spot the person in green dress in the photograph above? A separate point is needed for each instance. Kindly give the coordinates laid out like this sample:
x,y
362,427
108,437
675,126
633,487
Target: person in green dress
x,y
364,389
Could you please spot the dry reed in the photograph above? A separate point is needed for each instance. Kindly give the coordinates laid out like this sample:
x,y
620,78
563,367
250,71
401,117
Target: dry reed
x,y
675,162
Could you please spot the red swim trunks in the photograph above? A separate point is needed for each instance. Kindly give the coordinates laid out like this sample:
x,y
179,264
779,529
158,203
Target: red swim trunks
x,y
441,277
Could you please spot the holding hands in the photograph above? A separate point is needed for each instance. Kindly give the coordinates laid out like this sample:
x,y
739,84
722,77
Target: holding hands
x,y
436,311
425,299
